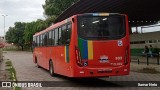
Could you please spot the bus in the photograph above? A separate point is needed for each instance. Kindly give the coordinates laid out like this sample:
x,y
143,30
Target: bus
x,y
85,45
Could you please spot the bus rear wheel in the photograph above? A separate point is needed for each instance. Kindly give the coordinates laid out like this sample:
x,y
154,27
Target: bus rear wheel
x,y
51,68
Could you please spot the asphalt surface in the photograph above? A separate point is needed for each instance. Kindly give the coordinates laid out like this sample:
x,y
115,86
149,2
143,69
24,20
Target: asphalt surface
x,y
27,71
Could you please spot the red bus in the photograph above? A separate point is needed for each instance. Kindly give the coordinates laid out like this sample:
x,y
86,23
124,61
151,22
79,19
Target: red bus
x,y
85,45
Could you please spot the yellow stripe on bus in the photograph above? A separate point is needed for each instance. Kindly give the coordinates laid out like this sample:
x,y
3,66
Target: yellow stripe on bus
x,y
103,14
65,56
90,50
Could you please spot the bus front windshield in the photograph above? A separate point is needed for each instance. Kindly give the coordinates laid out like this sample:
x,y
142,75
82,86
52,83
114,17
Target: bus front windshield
x,y
101,27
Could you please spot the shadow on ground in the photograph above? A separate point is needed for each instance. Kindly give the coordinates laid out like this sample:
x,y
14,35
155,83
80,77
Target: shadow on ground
x,y
81,82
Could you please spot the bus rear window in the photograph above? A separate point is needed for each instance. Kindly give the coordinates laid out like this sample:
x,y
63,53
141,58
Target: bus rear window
x,y
101,27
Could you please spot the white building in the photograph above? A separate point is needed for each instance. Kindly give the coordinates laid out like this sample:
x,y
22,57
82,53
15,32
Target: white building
x,y
140,40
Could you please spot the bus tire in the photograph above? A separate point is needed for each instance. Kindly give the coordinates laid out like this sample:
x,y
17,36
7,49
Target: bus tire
x,y
51,68
37,62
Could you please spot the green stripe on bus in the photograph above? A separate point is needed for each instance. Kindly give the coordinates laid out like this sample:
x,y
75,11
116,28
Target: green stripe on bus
x,y
80,44
67,53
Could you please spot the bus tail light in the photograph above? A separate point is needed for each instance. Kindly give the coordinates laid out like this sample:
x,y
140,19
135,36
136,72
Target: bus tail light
x,y
78,57
126,59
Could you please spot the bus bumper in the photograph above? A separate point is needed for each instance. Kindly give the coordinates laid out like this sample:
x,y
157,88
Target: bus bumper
x,y
102,72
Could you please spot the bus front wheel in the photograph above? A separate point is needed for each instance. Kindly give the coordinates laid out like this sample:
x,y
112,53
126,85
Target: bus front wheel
x,y
36,61
51,68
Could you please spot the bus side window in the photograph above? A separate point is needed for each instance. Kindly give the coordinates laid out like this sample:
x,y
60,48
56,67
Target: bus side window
x,y
41,40
53,38
68,33
45,39
59,36
36,44
64,36
33,42
50,38
66,30
56,37
37,41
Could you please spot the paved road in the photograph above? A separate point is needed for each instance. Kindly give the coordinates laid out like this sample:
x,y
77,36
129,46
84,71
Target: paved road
x,y
27,71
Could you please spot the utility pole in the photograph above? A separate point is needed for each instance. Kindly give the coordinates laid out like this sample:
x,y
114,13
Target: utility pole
x,y
4,25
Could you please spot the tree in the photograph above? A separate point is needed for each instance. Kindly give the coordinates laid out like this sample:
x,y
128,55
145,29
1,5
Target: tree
x,y
15,34
22,33
49,21
31,28
9,35
56,7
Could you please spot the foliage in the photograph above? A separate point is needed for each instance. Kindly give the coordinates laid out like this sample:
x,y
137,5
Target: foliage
x,y
12,72
15,34
49,20
31,29
56,7
22,33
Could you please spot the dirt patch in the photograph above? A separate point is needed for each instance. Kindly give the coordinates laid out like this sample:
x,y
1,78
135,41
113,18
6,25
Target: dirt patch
x,y
4,75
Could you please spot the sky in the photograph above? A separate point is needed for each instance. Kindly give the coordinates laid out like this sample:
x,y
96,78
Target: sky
x,y
19,11
28,11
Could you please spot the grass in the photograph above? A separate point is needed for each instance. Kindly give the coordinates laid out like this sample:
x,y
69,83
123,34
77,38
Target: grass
x,y
11,49
17,49
17,88
11,71
8,63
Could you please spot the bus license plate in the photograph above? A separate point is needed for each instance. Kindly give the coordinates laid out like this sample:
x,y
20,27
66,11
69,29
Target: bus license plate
x,y
103,60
